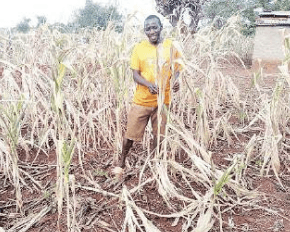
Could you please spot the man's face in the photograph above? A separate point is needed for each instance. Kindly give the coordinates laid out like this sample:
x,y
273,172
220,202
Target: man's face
x,y
153,30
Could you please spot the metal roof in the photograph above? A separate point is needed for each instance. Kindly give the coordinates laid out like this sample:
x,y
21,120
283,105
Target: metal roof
x,y
275,14
274,18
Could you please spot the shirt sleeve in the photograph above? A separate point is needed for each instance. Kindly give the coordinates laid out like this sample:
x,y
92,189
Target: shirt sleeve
x,y
135,61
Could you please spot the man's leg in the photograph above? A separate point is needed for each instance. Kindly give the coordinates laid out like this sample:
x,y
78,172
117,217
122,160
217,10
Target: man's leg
x,y
138,118
127,144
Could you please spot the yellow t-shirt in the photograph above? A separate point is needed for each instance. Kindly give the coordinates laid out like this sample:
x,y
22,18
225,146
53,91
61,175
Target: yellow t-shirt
x,y
155,65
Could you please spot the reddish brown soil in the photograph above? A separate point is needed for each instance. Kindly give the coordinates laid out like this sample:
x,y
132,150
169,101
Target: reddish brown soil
x,y
270,211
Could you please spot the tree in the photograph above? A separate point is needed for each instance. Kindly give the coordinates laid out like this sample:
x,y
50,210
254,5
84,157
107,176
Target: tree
x,y
283,5
176,9
23,26
220,10
41,20
94,15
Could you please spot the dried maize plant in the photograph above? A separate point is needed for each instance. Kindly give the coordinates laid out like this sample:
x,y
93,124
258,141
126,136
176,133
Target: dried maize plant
x,y
64,136
210,97
11,117
101,72
198,209
202,172
272,138
275,116
36,84
13,108
131,222
117,53
161,72
65,182
165,71
286,47
83,91
17,110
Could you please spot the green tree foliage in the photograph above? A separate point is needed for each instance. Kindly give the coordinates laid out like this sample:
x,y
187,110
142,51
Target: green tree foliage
x,y
176,9
224,8
283,5
219,11
95,15
277,5
41,20
23,26
63,28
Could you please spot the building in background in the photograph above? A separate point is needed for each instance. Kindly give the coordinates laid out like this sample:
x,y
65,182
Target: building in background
x,y
272,28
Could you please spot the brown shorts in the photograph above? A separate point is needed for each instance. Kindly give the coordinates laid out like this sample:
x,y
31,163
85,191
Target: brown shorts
x,y
138,118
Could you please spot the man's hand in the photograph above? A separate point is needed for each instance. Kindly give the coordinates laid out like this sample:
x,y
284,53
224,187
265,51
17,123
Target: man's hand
x,y
176,86
153,89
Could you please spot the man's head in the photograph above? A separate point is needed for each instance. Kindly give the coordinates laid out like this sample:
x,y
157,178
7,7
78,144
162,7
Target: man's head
x,y
153,28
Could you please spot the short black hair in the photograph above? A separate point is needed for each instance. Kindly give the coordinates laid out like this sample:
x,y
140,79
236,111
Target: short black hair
x,y
154,17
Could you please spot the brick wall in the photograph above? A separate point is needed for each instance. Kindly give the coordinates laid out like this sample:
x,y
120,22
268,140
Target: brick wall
x,y
268,43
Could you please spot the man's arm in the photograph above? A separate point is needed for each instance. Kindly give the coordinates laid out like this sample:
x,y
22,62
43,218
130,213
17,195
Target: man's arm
x,y
142,81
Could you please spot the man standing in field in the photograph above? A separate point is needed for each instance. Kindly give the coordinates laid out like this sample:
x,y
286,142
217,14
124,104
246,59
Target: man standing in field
x,y
152,66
